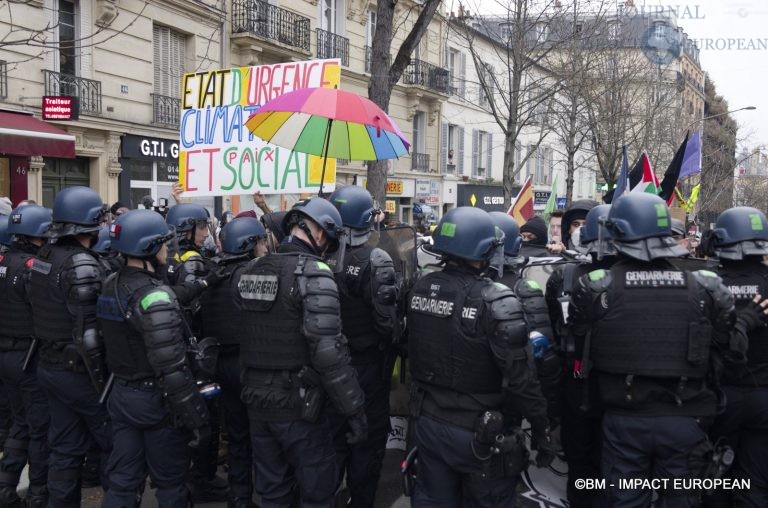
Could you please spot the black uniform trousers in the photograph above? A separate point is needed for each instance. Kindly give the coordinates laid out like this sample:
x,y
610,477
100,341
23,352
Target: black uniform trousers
x,y
745,425
581,435
648,447
449,471
294,459
362,462
28,436
236,425
145,441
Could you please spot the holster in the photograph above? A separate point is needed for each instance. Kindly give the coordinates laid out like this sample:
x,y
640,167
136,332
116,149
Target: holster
x,y
416,400
311,394
502,453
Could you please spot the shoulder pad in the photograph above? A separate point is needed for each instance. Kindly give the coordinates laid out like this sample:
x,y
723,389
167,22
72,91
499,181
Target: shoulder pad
x,y
380,258
526,288
707,278
495,291
157,298
84,269
316,268
502,302
598,280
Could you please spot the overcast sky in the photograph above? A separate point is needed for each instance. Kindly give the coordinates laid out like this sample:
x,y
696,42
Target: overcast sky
x,y
741,75
733,38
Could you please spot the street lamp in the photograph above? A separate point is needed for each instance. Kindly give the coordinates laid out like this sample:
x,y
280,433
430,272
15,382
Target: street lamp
x,y
745,108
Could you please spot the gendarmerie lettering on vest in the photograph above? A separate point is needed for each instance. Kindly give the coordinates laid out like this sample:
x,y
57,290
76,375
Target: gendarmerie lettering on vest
x,y
432,306
745,292
655,279
258,287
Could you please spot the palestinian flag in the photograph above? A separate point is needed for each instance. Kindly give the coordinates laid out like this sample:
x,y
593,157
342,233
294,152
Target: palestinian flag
x,y
648,181
522,206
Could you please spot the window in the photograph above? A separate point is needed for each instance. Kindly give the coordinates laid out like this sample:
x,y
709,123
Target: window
x,y
660,29
457,66
371,28
151,178
614,29
68,34
452,149
505,30
418,132
482,153
486,79
170,56
542,32
329,15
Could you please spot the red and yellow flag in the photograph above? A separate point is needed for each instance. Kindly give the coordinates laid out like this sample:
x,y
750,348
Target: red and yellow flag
x,y
522,206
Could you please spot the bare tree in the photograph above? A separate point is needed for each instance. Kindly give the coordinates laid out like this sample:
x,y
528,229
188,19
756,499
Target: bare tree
x,y
384,75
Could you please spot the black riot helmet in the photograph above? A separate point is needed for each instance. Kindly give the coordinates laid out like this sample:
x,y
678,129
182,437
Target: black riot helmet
x,y
77,210
469,233
104,243
139,233
186,216
639,223
739,232
240,235
321,212
355,206
512,238
30,220
576,211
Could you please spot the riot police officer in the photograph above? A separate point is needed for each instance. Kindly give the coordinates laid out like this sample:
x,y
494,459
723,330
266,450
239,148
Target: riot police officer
x,y
65,282
531,298
242,239
368,294
651,333
473,372
293,355
154,401
740,242
192,224
18,363
110,259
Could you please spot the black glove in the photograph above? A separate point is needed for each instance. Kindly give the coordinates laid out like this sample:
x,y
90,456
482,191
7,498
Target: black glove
x,y
546,451
358,428
216,276
751,317
200,437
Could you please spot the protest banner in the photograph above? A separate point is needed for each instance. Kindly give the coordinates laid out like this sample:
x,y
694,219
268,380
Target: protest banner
x,y
218,155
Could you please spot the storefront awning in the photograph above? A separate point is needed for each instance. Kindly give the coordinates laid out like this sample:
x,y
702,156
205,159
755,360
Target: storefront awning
x,y
23,134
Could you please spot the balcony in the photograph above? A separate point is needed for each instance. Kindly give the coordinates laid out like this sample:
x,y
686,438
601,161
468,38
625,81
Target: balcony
x,y
427,75
165,110
450,169
87,91
270,22
331,45
420,162
3,79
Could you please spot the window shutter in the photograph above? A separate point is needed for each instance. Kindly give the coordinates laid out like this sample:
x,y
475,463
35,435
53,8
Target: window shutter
x,y
463,74
489,167
475,149
83,11
444,148
460,160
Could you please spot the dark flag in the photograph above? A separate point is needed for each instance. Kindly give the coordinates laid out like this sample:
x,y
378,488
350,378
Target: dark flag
x,y
635,175
667,191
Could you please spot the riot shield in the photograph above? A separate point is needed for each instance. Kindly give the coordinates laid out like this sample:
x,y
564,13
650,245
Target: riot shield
x,y
400,243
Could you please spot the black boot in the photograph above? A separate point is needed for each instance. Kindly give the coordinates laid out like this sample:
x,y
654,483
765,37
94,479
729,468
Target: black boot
x,y
37,497
9,498
205,490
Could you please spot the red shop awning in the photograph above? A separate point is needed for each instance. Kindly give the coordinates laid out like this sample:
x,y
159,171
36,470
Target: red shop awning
x,y
23,134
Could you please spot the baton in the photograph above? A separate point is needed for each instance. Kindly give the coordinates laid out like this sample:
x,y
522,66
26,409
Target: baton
x,y
107,388
30,353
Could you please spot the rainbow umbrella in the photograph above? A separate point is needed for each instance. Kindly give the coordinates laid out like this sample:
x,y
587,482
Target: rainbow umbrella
x,y
329,123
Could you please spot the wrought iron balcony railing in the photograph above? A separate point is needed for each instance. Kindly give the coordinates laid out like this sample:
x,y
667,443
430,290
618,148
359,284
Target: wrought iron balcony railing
x,y
270,22
369,59
420,161
331,45
165,110
87,91
427,75
3,79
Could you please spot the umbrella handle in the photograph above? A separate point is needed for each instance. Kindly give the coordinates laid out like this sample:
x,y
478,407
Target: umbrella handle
x,y
325,156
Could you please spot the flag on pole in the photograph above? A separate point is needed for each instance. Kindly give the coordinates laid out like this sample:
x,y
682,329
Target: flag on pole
x,y
635,175
552,201
672,175
692,158
648,181
622,184
521,208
